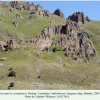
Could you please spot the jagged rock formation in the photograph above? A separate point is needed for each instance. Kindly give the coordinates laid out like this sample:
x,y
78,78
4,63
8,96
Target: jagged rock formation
x,y
78,17
45,39
59,13
39,7
20,6
33,9
42,12
75,43
86,45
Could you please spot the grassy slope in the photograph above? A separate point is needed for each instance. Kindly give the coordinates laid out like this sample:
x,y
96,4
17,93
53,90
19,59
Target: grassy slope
x,y
93,28
72,76
24,29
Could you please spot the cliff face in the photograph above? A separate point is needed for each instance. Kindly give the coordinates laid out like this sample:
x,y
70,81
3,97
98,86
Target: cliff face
x,y
75,43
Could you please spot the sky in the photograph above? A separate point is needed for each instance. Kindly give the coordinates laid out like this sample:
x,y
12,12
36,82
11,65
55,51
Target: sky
x,y
90,8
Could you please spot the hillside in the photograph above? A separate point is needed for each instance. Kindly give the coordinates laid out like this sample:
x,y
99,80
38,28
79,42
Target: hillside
x,y
39,65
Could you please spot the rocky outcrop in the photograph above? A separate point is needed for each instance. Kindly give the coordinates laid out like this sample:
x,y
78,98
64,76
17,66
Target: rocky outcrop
x,y
16,5
75,43
39,7
22,6
86,45
7,45
70,27
53,30
27,6
59,13
45,39
79,18
42,12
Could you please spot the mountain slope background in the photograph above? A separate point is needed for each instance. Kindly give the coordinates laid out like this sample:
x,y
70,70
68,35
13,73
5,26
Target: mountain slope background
x,y
48,70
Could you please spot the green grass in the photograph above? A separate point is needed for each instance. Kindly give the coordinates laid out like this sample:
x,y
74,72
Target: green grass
x,y
24,29
74,75
93,29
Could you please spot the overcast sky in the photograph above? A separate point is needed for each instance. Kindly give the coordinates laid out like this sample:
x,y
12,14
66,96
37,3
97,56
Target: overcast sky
x,y
90,8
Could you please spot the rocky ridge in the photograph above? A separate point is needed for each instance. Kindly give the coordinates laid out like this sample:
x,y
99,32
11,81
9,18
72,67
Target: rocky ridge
x,y
75,43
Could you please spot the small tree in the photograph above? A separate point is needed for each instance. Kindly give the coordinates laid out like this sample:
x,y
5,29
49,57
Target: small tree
x,y
12,73
11,84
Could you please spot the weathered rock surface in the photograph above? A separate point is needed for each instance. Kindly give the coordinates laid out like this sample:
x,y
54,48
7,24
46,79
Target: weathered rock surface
x,y
20,6
7,45
79,18
42,12
59,13
75,43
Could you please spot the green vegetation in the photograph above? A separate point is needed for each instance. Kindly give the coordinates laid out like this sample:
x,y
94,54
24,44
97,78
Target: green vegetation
x,y
92,55
24,29
54,75
12,73
57,48
11,84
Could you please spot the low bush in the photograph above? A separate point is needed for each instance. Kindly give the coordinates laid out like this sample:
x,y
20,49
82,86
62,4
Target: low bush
x,y
11,84
57,48
12,73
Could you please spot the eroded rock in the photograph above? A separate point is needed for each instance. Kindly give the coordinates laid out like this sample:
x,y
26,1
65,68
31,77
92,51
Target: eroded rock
x,y
59,13
78,17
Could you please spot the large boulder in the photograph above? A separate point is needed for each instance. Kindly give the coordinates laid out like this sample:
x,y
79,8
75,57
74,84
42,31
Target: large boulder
x,y
59,13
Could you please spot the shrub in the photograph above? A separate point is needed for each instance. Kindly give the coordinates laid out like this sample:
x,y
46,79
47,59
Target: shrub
x,y
11,84
57,48
12,73
92,55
